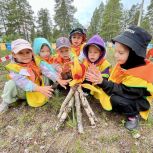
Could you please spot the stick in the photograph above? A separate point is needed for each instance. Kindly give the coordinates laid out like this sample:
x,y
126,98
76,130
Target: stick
x,y
67,99
87,108
65,113
78,112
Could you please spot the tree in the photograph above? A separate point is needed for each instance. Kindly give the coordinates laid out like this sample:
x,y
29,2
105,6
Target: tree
x,y
149,16
18,18
44,24
64,15
3,22
111,19
134,14
76,24
96,20
146,24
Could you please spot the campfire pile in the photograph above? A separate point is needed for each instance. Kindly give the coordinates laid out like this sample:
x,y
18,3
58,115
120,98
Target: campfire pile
x,y
76,98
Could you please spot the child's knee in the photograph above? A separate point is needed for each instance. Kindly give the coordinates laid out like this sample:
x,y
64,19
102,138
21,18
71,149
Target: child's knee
x,y
9,92
10,85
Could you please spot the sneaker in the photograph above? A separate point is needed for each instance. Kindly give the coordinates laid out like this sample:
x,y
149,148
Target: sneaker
x,y
132,123
3,107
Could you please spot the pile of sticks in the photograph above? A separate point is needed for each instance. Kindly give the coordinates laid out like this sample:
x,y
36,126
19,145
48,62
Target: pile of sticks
x,y
76,98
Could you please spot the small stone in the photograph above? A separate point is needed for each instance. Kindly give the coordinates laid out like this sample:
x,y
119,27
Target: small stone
x,y
26,151
42,147
136,136
9,127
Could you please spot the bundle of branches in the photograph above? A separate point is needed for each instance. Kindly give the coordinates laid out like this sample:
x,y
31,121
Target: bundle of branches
x,y
76,98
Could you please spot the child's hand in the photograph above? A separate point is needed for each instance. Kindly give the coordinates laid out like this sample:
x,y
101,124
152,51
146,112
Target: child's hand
x,y
45,90
94,76
63,83
93,69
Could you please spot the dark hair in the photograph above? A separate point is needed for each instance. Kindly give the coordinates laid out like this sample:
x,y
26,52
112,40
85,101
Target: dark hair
x,y
133,60
45,45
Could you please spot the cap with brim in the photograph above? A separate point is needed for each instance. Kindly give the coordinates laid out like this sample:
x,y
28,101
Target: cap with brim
x,y
62,42
63,46
77,32
19,45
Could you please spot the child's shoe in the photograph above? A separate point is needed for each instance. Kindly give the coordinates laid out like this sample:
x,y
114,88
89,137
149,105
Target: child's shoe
x,y
132,123
3,107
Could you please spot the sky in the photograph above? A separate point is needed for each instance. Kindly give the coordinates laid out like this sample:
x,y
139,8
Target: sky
x,y
85,8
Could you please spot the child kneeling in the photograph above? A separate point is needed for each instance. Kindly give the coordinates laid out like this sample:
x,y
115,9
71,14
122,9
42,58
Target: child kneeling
x,y
25,73
129,89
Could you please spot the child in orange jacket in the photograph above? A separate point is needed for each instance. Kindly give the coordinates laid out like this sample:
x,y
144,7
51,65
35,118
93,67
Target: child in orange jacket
x,y
77,38
63,57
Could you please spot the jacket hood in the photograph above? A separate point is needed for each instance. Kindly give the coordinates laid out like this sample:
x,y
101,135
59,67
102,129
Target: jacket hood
x,y
97,41
37,44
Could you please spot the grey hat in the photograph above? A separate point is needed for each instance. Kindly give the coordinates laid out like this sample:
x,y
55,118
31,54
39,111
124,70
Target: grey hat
x,y
62,42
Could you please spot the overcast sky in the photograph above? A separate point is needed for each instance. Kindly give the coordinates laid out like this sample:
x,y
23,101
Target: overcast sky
x,y
85,8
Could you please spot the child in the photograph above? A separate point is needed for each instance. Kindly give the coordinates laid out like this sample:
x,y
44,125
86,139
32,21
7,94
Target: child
x,y
95,51
26,77
42,48
77,38
63,57
129,89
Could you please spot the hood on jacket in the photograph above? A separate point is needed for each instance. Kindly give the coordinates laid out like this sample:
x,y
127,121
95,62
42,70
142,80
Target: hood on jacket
x,y
38,43
97,41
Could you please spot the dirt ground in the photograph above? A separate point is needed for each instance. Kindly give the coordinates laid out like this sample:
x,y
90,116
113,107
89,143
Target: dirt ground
x,y
24,129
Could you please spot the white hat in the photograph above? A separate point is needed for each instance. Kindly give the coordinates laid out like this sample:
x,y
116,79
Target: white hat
x,y
20,44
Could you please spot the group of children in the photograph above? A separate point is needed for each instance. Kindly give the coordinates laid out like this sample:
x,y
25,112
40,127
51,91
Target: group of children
x,y
127,88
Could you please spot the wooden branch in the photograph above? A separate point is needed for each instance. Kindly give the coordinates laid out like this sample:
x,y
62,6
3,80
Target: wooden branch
x,y
67,99
87,108
78,112
65,113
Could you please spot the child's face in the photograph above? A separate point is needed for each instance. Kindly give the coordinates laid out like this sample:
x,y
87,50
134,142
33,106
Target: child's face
x,y
77,39
93,53
45,52
64,52
121,53
24,56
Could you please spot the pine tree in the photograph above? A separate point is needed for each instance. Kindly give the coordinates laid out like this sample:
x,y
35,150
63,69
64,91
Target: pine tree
x,y
146,24
111,19
134,14
96,20
64,15
3,22
76,24
19,17
150,16
44,24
